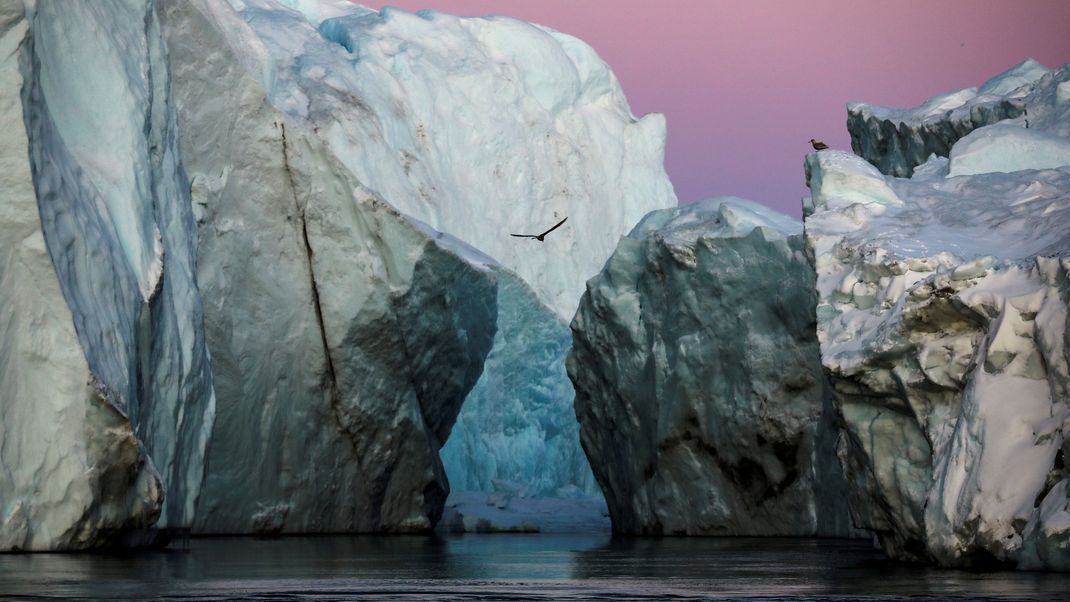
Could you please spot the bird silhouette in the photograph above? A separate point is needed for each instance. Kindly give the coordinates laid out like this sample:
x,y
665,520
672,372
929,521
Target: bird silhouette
x,y
540,237
818,145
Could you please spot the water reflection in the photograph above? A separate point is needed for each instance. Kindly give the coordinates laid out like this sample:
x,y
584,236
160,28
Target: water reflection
x,y
773,567
489,566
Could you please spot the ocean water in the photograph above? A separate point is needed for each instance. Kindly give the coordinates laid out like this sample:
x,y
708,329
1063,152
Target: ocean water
x,y
530,567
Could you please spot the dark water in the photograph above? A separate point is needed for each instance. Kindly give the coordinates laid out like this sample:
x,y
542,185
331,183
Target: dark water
x,y
533,567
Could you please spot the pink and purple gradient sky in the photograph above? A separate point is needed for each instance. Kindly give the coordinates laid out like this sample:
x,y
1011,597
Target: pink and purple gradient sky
x,y
744,84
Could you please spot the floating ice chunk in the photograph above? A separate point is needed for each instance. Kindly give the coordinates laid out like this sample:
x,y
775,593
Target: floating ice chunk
x,y
699,393
482,127
110,397
942,322
504,512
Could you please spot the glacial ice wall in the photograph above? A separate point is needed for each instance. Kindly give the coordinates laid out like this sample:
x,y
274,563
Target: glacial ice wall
x,y
942,319
115,209
517,425
699,389
479,127
344,336
113,380
89,479
324,305
898,140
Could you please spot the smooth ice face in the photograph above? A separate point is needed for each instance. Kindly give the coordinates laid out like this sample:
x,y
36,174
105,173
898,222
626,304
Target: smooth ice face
x,y
125,390
942,320
56,491
1006,148
116,215
344,335
479,127
898,140
846,180
699,391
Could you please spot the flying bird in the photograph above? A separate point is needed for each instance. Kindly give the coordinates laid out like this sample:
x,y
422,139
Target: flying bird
x,y
540,237
818,145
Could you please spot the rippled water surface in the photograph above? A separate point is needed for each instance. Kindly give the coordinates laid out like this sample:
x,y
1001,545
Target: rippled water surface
x,y
506,566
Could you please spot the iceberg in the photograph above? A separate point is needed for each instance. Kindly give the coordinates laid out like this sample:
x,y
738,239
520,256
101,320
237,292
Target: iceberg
x,y
344,335
107,396
338,225
480,127
942,321
898,140
702,404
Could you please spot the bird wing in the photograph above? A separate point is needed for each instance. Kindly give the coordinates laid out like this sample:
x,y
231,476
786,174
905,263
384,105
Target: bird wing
x,y
556,226
523,235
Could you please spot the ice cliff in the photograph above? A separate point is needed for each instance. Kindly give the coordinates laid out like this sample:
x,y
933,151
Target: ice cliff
x,y
482,127
344,336
699,390
942,320
479,127
106,394
324,147
898,140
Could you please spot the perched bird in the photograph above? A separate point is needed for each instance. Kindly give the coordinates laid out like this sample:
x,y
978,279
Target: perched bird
x,y
540,237
818,145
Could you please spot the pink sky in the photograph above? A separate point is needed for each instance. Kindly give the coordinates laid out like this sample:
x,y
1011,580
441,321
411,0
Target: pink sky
x,y
745,84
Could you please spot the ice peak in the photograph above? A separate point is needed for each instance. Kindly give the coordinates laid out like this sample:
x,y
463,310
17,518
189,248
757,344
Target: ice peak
x,y
716,217
1026,73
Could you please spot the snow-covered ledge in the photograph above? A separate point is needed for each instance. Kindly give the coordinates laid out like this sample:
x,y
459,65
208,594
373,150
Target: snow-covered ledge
x,y
942,318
